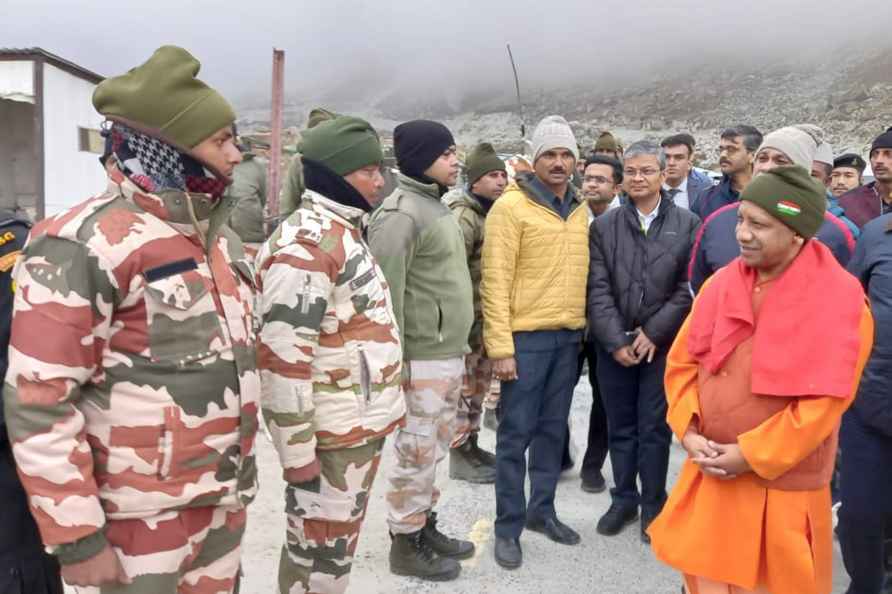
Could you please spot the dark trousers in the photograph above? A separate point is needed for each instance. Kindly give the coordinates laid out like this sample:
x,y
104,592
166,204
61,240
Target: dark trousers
x,y
639,437
866,494
534,411
24,567
596,447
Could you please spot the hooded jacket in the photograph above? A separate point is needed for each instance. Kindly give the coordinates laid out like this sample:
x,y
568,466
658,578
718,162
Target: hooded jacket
x,y
534,266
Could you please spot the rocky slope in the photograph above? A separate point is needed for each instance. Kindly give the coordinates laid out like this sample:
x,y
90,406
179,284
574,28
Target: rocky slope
x,y
849,95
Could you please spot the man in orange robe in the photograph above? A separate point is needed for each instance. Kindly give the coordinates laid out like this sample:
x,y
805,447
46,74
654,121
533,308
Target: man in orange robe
x,y
756,382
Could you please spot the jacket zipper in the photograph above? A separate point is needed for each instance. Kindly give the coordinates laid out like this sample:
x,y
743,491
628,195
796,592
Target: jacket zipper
x,y
305,298
365,376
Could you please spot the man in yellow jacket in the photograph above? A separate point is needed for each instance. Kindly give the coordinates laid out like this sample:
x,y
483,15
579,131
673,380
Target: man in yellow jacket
x,y
535,265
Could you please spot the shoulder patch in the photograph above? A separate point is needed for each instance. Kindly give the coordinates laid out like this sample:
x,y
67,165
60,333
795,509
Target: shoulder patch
x,y
9,260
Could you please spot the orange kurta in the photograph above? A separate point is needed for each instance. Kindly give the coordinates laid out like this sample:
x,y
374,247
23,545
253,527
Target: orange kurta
x,y
737,531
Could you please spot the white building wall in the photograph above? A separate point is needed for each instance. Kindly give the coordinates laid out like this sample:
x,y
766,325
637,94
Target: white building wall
x,y
70,175
17,80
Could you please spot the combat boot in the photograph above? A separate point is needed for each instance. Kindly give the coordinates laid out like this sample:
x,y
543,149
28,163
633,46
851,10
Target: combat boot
x,y
486,457
464,465
412,556
444,545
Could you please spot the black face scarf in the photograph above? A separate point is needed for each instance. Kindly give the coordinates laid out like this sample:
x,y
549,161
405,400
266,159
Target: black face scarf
x,y
321,179
429,181
486,203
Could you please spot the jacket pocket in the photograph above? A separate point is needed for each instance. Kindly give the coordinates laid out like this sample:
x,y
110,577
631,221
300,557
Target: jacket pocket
x,y
182,320
316,500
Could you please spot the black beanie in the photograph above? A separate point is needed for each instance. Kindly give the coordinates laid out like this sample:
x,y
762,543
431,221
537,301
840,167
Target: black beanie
x,y
883,141
418,144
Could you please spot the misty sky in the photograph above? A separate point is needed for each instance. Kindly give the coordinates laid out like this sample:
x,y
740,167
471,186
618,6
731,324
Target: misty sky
x,y
358,48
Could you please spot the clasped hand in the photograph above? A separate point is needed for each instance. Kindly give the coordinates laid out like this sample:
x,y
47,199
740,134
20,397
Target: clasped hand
x,y
721,460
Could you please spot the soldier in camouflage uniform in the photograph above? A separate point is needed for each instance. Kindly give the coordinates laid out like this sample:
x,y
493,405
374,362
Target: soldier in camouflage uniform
x,y
293,187
420,248
249,191
330,355
487,178
24,566
132,392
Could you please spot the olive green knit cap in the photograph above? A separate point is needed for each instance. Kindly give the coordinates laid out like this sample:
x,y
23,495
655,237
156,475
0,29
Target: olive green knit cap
x,y
791,195
343,144
163,99
482,160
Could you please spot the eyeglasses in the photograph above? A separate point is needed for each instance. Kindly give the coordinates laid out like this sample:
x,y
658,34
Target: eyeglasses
x,y
646,172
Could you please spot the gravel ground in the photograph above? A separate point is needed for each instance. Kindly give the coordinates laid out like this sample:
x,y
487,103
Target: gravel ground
x,y
598,565
618,565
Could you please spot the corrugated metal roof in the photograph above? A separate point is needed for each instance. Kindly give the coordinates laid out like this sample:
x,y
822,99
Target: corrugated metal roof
x,y
34,53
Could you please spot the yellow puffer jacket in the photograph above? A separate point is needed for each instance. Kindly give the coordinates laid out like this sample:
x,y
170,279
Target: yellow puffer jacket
x,y
535,266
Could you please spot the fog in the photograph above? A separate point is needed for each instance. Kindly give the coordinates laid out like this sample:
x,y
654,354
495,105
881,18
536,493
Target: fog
x,y
353,50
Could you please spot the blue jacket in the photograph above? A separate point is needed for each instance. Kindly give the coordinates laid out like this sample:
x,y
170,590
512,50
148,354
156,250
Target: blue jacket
x,y
872,265
836,210
713,198
716,244
698,183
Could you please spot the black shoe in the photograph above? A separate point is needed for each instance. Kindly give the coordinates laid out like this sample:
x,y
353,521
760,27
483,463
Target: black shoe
x,y
554,529
508,553
594,484
567,463
411,556
616,518
465,465
646,519
486,458
442,544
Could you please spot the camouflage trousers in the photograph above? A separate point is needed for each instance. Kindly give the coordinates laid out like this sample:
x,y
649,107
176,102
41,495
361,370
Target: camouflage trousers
x,y
432,393
324,519
491,402
192,551
476,387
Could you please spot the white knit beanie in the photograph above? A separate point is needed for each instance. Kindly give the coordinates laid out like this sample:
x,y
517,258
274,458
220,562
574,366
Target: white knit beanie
x,y
551,133
799,143
824,154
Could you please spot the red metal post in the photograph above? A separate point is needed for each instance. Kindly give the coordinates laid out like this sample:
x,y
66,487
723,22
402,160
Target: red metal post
x,y
275,152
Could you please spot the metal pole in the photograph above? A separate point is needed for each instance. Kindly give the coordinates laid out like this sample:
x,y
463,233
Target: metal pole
x,y
523,127
275,151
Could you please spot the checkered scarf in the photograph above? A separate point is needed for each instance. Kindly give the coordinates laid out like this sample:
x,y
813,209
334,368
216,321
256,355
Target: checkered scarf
x,y
155,166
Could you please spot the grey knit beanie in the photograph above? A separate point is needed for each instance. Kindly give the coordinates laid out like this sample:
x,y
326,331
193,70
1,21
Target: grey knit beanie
x,y
551,133
799,143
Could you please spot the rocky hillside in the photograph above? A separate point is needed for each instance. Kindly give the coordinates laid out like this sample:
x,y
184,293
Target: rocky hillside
x,y
849,96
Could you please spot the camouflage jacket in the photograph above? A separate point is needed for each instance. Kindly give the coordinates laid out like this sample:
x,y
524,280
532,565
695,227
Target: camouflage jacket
x,y
471,218
329,349
132,387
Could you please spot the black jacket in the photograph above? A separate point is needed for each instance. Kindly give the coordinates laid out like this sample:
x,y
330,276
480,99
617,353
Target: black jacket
x,y
13,233
637,279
